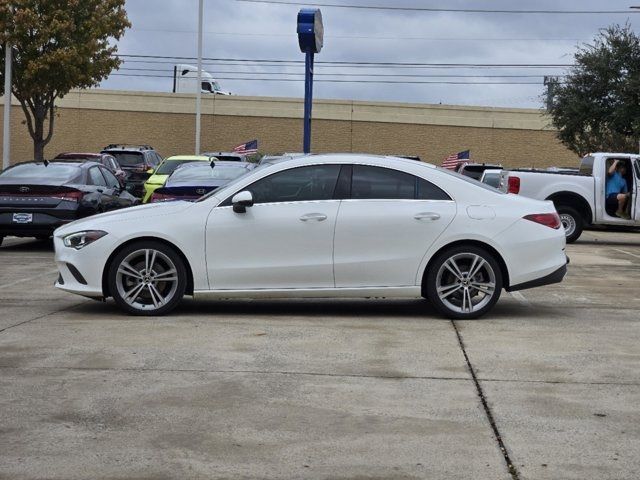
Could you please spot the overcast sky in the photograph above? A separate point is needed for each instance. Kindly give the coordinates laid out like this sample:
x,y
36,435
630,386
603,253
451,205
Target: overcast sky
x,y
250,31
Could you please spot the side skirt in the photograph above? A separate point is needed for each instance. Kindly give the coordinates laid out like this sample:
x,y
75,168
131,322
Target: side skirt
x,y
364,292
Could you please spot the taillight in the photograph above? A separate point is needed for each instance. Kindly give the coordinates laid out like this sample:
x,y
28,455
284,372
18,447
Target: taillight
x,y
514,184
74,196
161,197
551,220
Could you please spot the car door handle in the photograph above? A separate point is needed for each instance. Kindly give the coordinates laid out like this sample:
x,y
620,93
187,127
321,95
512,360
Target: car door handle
x,y
427,216
318,217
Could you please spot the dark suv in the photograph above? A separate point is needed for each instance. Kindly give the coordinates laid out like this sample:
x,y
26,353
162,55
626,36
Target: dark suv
x,y
137,161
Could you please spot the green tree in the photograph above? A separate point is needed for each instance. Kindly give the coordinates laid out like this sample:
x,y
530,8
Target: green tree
x,y
58,45
597,107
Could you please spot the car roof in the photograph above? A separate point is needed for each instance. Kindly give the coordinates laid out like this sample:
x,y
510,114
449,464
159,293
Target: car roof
x,y
125,147
72,155
363,158
194,158
77,163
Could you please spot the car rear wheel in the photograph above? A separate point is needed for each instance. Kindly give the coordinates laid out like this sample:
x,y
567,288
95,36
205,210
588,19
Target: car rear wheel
x,y
571,221
464,282
147,278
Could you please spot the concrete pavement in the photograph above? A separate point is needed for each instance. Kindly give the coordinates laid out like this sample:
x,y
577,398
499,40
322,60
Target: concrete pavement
x,y
321,389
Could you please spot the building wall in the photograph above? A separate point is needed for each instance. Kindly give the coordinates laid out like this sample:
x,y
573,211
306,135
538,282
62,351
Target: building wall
x,y
89,120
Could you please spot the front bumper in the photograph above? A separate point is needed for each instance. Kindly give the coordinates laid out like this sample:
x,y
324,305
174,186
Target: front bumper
x,y
80,271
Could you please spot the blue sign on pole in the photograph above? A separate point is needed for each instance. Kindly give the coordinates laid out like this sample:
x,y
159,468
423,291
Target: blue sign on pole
x,y
310,36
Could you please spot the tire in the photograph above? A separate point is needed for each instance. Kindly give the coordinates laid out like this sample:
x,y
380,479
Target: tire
x,y
140,292
450,289
572,222
1,240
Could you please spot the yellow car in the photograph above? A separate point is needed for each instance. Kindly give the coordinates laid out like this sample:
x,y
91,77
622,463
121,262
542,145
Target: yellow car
x,y
161,173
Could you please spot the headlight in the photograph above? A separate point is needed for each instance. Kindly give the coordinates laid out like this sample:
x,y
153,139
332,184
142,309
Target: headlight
x,y
82,239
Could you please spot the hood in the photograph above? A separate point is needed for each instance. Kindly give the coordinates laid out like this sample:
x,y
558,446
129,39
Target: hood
x,y
103,220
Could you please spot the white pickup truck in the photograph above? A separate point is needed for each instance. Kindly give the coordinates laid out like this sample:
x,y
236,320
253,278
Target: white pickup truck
x,y
580,196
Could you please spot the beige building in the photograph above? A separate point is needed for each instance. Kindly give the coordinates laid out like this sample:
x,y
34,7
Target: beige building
x,y
90,119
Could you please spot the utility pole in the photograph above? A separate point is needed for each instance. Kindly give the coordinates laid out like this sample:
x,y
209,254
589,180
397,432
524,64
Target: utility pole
x,y
550,83
6,126
199,76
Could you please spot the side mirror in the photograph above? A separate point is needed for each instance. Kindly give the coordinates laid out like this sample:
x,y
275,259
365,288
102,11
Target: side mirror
x,y
241,201
150,171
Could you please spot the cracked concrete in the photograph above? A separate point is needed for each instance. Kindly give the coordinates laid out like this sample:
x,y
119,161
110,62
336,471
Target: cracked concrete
x,y
323,389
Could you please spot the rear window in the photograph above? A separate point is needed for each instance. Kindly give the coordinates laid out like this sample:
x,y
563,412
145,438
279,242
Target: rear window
x,y
207,173
229,158
128,159
168,166
57,172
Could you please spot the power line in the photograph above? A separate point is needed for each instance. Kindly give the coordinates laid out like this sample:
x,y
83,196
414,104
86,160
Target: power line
x,y
453,10
342,81
324,66
346,74
368,37
353,63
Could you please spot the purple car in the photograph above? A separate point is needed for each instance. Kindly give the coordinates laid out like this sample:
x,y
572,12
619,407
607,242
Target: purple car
x,y
192,180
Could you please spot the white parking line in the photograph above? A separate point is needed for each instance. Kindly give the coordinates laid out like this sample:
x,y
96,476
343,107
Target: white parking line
x,y
28,279
628,253
521,298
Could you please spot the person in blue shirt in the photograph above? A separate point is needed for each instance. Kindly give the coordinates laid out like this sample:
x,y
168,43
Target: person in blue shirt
x,y
617,192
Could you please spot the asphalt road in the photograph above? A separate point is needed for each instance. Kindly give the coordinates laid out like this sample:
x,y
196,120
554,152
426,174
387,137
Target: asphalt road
x,y
549,382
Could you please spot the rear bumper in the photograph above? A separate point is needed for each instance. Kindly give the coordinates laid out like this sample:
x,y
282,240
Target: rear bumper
x,y
42,224
553,277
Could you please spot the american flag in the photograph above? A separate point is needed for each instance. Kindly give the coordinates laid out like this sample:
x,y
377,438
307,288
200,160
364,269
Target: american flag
x,y
452,162
248,148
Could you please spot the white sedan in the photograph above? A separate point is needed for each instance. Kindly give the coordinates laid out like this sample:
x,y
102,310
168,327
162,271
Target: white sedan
x,y
337,225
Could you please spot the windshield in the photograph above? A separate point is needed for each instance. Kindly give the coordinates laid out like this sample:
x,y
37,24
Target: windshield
x,y
205,172
58,172
168,166
470,180
128,159
216,86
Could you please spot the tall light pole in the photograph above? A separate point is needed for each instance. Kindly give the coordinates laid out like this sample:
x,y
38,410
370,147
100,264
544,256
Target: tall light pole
x,y
6,126
199,76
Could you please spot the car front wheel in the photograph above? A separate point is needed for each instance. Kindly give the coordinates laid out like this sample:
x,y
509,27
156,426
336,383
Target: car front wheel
x,y
464,282
147,278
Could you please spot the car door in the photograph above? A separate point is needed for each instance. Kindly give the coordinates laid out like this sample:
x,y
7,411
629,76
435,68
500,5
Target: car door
x,y
104,195
386,226
283,241
119,197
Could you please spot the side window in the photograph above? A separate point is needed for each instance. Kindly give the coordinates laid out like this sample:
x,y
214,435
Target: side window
x,y
428,191
636,165
381,183
111,179
315,182
96,177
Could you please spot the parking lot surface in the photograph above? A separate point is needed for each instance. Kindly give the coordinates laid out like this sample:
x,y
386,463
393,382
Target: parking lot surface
x,y
546,386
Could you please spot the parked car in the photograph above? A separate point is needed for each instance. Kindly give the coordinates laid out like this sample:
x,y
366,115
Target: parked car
x,y
475,170
580,197
138,161
323,226
496,178
166,168
36,197
104,159
227,156
192,180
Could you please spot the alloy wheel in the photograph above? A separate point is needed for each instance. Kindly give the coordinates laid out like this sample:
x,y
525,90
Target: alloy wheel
x,y
147,279
466,283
